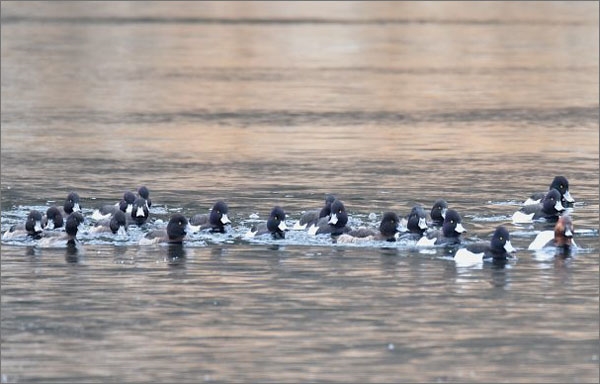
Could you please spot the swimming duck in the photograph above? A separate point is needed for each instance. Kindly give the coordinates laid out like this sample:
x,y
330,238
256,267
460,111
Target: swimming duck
x,y
52,219
275,225
71,205
549,209
61,239
311,218
116,224
388,230
32,227
498,249
561,237
438,212
175,232
139,213
335,224
215,221
144,193
561,184
449,235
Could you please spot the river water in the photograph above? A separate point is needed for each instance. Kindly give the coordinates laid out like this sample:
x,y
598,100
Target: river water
x,y
385,105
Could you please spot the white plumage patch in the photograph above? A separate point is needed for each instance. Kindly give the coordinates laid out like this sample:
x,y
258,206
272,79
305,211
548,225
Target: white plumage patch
x,y
122,232
313,230
465,258
334,219
542,239
146,241
530,201
225,219
426,242
298,227
522,218
96,215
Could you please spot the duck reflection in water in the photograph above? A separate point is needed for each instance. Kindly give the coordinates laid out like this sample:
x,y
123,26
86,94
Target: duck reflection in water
x,y
72,253
176,254
499,278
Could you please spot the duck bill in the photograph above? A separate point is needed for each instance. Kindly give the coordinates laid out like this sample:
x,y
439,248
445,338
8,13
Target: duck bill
x,y
225,220
333,220
76,207
509,248
568,197
423,223
139,212
460,228
38,226
568,233
50,225
558,206
282,226
444,212
129,209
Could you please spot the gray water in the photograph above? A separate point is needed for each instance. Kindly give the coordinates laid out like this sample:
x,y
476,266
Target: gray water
x,y
386,105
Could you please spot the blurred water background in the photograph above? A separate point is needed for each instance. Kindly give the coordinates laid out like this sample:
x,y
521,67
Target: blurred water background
x,y
384,104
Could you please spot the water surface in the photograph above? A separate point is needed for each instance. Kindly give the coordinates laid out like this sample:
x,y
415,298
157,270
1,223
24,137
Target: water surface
x,y
385,105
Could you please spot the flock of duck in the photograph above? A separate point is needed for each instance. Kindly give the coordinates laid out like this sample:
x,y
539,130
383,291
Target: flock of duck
x,y
59,225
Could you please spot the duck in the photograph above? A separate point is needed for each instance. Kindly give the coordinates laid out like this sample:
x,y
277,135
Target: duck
x,y
561,237
415,224
450,233
52,219
549,209
116,224
438,213
33,227
215,221
106,211
174,233
71,205
499,249
561,184
61,239
310,218
275,225
388,231
144,193
139,213
335,224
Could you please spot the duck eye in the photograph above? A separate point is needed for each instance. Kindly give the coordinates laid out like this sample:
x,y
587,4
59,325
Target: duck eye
x,y
451,221
501,238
